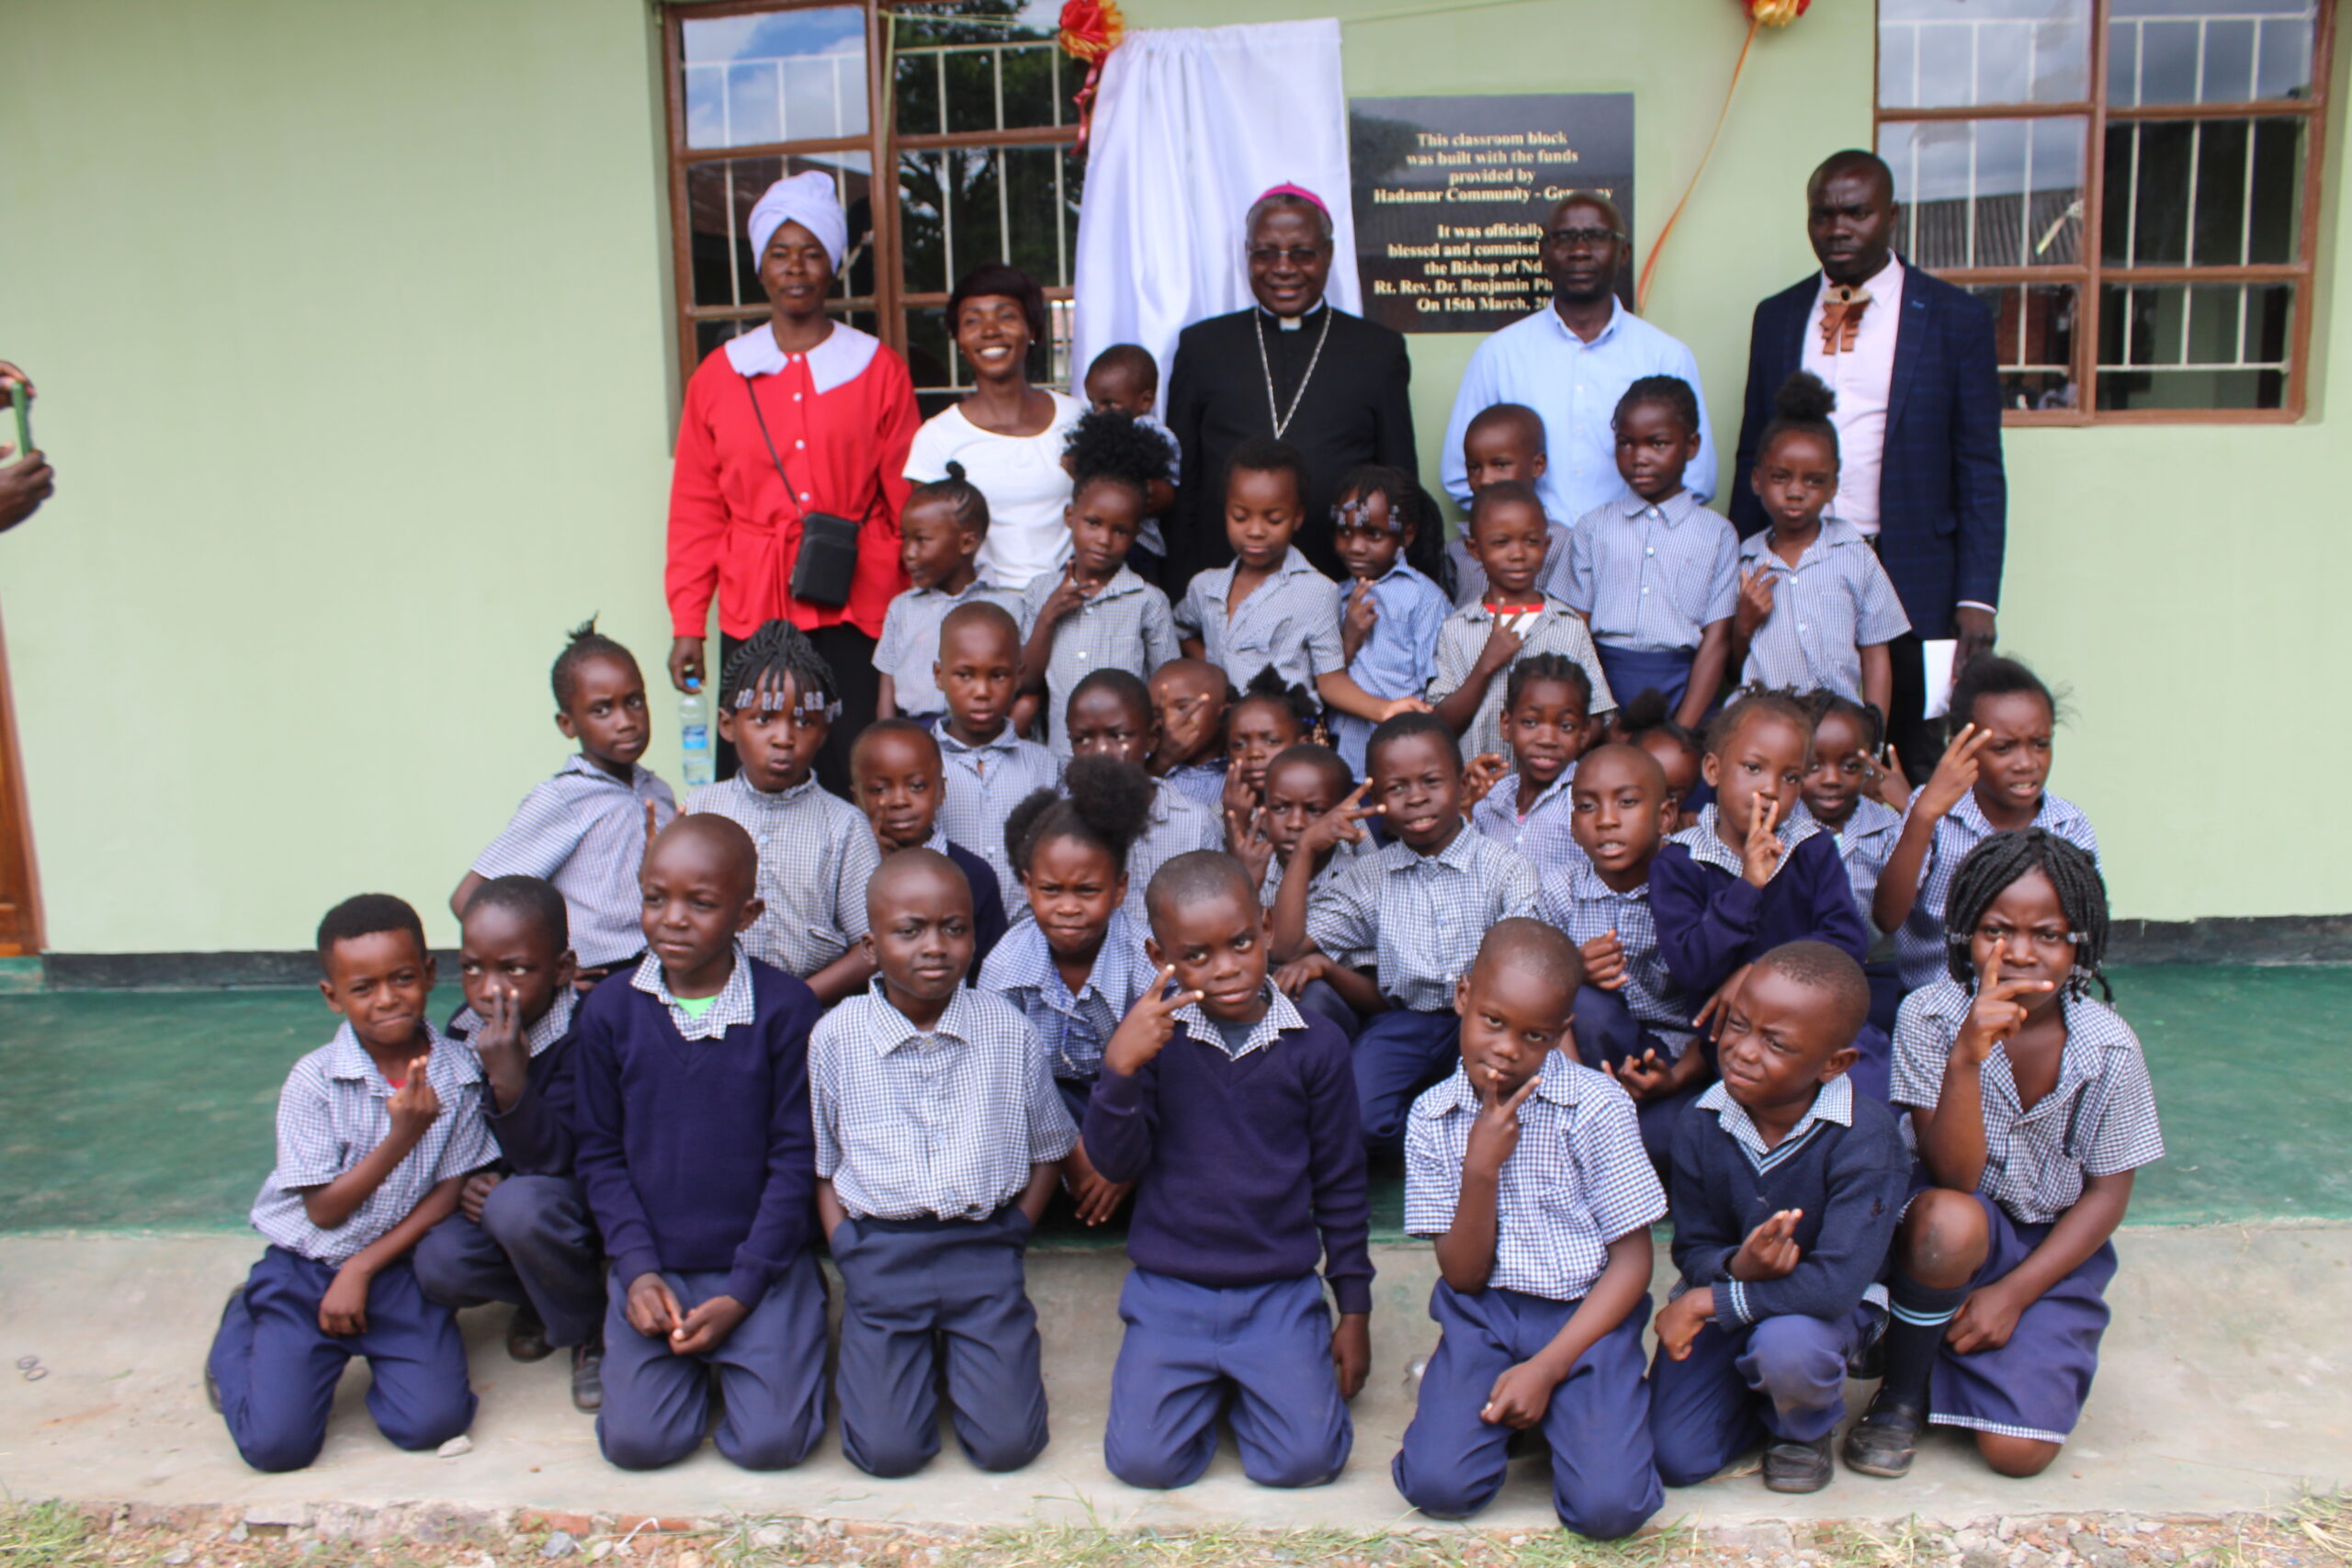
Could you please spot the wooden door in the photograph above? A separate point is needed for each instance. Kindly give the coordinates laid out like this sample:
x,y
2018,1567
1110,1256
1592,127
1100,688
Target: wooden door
x,y
19,898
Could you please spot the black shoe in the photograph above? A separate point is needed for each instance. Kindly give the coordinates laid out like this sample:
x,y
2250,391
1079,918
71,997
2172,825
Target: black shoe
x,y
526,1336
588,1376
1884,1441
1868,1364
1798,1467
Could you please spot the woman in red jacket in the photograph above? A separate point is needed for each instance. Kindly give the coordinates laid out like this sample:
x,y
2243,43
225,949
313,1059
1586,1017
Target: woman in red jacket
x,y
806,416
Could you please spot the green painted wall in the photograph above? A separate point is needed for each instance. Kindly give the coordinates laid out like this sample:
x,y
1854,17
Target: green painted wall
x,y
350,328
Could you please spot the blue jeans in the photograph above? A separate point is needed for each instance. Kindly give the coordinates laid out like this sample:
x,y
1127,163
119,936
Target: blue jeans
x,y
1398,1054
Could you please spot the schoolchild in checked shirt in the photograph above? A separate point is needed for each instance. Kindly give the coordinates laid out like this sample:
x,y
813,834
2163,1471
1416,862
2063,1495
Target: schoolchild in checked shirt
x,y
2031,1109
376,1131
777,705
1527,1171
585,828
939,1138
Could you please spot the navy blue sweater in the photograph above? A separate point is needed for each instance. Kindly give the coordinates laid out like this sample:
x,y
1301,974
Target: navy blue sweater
x,y
1247,1171
698,1153
1710,921
1848,1180
987,904
534,1134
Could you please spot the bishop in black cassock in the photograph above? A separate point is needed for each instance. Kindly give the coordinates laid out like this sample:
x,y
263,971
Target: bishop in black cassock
x,y
1354,406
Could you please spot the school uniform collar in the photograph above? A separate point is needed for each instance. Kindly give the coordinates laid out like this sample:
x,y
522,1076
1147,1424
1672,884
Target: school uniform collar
x,y
733,1005
839,360
1511,782
578,763
1871,817
1396,855
1560,1085
1707,847
1673,510
1835,533
1281,1016
888,1029
1479,610
978,585
1122,583
1404,570
1584,882
348,1061
1834,1102
1118,959
777,800
553,1025
1004,741
2047,815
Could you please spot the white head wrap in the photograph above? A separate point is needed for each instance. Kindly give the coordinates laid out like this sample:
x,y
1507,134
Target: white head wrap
x,y
809,200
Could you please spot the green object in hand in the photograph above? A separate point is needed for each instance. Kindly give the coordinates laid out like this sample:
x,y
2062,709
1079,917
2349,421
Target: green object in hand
x,y
21,396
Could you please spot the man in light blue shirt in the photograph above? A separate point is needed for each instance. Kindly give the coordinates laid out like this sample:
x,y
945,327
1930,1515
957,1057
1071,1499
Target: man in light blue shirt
x,y
1570,362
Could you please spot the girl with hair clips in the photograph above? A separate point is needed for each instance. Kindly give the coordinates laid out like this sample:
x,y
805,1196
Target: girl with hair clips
x,y
778,705
788,431
2031,1108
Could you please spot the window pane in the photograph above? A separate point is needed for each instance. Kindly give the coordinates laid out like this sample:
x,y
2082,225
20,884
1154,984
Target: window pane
x,y
1988,193
2207,345
719,198
2033,328
960,207
1949,54
973,74
774,76
2208,51
2203,193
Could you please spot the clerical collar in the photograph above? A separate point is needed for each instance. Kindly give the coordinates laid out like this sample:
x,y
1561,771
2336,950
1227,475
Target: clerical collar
x,y
1292,323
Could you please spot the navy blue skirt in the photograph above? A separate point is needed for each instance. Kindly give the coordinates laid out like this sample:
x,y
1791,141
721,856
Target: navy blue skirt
x,y
2035,1385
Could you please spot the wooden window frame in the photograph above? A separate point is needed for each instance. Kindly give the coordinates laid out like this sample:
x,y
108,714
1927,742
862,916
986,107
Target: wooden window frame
x,y
2090,272
890,299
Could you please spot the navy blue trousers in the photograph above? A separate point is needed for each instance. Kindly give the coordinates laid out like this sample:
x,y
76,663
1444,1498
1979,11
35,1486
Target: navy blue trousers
x,y
1604,1484
771,1373
1784,1377
1608,1033
1320,998
917,1295
536,1244
1398,1054
1631,672
276,1368
1259,1354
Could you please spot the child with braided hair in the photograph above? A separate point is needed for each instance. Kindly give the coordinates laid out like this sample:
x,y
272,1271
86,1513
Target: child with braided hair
x,y
778,701
2031,1106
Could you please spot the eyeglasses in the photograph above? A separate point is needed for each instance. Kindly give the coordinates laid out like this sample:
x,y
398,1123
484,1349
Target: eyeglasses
x,y
1298,256
1591,239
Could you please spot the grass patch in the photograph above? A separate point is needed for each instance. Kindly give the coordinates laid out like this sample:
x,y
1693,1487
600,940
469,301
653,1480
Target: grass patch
x,y
46,1535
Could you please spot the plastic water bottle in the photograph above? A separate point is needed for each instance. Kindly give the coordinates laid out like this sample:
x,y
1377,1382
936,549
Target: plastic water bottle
x,y
694,737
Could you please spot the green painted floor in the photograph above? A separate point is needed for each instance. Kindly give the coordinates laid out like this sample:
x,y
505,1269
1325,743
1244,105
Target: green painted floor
x,y
152,1110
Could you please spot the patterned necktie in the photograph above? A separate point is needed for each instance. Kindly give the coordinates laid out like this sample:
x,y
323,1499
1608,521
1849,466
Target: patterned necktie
x,y
1841,318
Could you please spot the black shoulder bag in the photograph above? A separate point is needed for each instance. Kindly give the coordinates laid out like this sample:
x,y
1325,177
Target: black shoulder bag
x,y
827,561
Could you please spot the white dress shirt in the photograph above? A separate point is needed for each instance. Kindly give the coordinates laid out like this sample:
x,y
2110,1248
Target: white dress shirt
x,y
1862,377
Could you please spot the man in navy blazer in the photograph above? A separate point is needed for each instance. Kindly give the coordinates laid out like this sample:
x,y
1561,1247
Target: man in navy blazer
x,y
1914,366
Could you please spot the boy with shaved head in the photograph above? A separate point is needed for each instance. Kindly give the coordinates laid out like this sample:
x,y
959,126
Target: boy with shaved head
x,y
939,1138
694,1147
1785,1202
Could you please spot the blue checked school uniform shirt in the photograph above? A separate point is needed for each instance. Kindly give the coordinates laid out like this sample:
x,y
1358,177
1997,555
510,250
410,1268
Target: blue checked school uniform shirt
x,y
909,643
334,1111
1864,843
1652,576
1395,658
1290,621
1125,625
817,854
1418,920
1556,629
1833,604
1541,831
1341,854
1177,825
1200,782
1576,900
1574,387
2100,1120
1919,945
943,1123
984,782
1074,1028
1577,1180
584,831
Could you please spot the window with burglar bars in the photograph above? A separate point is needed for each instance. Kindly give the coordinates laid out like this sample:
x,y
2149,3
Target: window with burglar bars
x,y
2132,185
966,102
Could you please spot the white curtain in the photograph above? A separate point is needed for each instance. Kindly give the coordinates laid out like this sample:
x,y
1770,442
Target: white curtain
x,y
1190,125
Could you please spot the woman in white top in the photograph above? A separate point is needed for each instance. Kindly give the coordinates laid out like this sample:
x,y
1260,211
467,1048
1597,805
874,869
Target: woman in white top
x,y
1006,433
